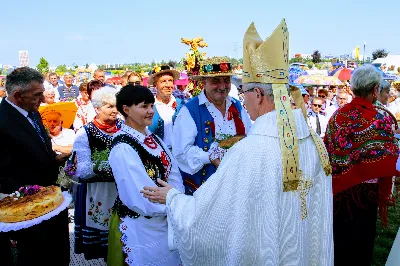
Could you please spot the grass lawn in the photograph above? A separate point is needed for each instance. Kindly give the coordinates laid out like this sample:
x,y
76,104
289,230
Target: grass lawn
x,y
385,237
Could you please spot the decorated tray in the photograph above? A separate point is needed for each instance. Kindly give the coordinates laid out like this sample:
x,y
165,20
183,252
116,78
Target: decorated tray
x,y
6,227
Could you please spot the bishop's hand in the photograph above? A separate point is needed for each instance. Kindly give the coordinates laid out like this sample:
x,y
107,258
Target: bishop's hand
x,y
157,194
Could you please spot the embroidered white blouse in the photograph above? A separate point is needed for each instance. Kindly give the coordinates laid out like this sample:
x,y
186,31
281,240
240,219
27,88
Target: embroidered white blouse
x,y
190,157
103,192
145,240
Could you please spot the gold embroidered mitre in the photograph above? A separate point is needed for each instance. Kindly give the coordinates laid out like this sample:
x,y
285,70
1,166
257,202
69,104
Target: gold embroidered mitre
x,y
266,61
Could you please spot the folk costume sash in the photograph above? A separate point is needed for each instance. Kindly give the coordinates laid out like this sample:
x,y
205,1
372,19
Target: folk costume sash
x,y
361,147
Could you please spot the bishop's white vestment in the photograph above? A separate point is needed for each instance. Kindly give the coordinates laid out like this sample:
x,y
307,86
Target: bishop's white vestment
x,y
241,216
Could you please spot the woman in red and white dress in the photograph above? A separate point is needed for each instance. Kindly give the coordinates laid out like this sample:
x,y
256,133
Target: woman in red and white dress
x,y
86,111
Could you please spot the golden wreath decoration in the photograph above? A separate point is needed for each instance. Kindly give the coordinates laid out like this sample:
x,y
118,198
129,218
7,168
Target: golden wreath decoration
x,y
192,62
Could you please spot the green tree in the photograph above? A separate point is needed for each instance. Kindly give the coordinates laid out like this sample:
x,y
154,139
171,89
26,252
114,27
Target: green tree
x,y
296,60
61,69
43,65
316,57
379,53
172,63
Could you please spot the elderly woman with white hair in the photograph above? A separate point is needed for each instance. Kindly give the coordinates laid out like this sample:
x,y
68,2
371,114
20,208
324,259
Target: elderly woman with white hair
x,y
96,194
363,153
49,96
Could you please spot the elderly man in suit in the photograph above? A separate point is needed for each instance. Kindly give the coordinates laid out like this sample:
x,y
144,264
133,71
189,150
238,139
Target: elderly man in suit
x,y
27,158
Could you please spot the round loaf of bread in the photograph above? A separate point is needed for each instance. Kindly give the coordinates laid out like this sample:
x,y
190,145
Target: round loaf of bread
x,y
229,142
29,207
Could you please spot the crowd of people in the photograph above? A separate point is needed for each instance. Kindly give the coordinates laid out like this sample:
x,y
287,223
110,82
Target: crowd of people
x,y
154,186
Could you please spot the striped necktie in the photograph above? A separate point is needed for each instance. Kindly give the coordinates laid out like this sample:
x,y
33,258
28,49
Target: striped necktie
x,y
35,121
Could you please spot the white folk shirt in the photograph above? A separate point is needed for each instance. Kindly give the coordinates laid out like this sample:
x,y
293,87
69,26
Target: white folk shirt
x,y
241,216
312,122
146,238
166,112
190,157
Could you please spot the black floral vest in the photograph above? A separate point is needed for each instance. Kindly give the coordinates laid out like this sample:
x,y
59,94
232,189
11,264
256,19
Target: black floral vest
x,y
154,166
98,141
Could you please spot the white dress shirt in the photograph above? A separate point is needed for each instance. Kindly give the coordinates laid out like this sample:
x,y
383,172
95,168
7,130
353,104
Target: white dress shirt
x,y
312,122
330,110
166,112
190,157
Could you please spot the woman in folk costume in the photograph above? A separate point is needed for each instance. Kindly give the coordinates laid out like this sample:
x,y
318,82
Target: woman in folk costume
x,y
270,200
166,106
86,111
96,194
363,154
211,115
138,229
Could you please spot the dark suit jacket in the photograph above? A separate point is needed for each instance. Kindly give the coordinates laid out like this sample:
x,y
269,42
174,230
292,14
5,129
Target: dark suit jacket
x,y
24,158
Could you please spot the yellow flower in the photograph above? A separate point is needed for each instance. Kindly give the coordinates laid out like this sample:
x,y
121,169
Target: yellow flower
x,y
151,172
157,69
203,44
191,61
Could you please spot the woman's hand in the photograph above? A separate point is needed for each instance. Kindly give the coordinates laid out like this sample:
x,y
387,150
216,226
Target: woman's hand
x,y
157,194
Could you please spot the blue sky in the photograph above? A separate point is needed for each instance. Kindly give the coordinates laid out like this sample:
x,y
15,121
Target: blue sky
x,y
119,31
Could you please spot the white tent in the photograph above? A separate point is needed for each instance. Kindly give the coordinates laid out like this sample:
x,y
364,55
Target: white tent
x,y
390,60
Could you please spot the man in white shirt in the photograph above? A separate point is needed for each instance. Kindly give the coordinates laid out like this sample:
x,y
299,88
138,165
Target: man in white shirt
x,y
53,84
62,139
341,100
166,106
209,116
316,119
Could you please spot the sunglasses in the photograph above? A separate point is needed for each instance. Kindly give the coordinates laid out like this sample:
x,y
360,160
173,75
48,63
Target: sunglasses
x,y
317,105
322,96
134,83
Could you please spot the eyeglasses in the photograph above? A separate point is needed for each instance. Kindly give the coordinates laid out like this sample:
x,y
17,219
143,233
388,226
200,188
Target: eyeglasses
x,y
317,105
136,83
252,89
322,96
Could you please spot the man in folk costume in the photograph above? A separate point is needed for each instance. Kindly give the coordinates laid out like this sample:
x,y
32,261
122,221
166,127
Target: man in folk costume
x,y
363,154
270,200
166,106
209,116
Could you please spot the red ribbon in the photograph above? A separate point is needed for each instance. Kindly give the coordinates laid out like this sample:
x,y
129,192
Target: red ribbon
x,y
234,113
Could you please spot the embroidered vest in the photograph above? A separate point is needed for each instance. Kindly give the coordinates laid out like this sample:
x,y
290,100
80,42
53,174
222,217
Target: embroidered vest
x,y
98,141
65,93
154,166
204,138
157,126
